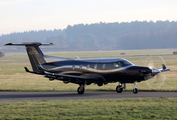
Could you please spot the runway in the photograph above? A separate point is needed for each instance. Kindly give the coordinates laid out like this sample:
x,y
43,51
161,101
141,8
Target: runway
x,y
39,96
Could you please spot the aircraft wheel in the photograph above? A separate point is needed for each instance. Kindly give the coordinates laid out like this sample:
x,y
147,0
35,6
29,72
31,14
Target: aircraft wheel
x,y
135,90
119,89
80,91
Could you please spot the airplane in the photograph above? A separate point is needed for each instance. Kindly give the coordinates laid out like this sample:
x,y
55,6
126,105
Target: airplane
x,y
87,71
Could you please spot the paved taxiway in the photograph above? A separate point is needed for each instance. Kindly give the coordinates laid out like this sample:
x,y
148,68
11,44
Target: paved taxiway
x,y
38,96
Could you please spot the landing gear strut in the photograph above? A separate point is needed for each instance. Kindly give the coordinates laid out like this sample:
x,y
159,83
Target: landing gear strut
x,y
81,89
135,90
119,88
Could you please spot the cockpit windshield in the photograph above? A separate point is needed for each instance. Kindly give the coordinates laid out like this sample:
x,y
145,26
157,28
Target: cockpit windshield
x,y
122,63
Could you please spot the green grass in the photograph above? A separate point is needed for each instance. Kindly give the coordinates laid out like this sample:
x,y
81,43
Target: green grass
x,y
14,78
139,108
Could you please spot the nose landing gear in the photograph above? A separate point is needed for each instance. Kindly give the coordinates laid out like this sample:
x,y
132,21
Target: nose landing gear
x,y
135,90
120,88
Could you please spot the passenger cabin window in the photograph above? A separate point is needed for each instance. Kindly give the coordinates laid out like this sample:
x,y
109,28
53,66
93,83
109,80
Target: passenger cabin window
x,y
80,66
104,66
88,66
73,66
95,66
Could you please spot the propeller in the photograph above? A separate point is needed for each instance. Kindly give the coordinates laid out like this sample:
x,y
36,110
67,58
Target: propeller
x,y
155,63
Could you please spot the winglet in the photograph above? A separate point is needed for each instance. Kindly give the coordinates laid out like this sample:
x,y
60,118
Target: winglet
x,y
26,69
35,72
163,66
29,44
8,44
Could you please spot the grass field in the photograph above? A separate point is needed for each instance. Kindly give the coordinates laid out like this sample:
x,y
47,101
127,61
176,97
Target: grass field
x,y
14,78
140,108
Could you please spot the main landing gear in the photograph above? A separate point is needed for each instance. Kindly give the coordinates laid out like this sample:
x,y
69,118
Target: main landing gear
x,y
81,89
120,88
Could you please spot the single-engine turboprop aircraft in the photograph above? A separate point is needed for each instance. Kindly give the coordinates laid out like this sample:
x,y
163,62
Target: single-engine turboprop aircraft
x,y
86,71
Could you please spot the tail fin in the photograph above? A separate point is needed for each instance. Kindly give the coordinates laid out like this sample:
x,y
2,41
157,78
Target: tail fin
x,y
35,54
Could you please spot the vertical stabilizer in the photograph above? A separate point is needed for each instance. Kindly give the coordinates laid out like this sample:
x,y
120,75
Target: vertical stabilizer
x,y
36,57
35,54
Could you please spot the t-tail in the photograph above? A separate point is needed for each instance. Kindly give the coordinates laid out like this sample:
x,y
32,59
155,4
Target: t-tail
x,y
35,54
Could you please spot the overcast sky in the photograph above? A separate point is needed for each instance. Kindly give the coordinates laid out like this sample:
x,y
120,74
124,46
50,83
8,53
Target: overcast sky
x,y
25,15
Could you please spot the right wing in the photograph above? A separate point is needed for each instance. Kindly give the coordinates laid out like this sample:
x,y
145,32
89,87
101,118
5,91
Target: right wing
x,y
164,68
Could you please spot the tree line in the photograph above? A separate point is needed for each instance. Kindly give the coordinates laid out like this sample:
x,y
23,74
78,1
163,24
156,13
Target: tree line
x,y
104,36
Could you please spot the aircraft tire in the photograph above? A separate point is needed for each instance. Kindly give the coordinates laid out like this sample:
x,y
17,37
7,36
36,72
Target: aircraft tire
x,y
80,91
119,89
135,90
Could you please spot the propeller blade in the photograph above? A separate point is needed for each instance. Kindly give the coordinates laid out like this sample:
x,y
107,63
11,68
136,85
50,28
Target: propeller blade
x,y
157,65
150,63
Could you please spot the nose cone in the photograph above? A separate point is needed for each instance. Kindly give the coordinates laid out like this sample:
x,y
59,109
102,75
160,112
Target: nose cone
x,y
155,71
145,70
140,70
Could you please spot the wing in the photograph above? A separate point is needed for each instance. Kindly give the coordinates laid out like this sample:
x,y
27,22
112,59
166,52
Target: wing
x,y
164,68
69,78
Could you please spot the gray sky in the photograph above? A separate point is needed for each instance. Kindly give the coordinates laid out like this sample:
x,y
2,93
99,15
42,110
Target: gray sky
x,y
25,15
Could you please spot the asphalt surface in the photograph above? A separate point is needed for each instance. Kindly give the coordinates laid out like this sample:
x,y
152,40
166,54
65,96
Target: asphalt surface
x,y
39,96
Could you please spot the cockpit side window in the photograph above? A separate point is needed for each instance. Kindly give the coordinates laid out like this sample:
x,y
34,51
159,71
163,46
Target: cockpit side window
x,y
122,63
117,64
126,63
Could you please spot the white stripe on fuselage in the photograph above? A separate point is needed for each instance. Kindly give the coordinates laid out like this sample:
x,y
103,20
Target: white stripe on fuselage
x,y
61,68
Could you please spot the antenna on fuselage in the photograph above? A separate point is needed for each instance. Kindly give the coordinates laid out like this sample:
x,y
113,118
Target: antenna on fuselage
x,y
77,57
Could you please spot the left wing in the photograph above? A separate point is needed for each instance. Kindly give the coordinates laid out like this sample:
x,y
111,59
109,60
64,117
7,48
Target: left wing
x,y
63,77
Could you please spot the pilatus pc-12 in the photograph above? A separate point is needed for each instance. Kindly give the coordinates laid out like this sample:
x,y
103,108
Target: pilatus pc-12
x,y
86,71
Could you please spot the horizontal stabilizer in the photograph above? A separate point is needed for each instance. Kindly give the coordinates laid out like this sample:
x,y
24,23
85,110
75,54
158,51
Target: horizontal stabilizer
x,y
29,44
35,72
